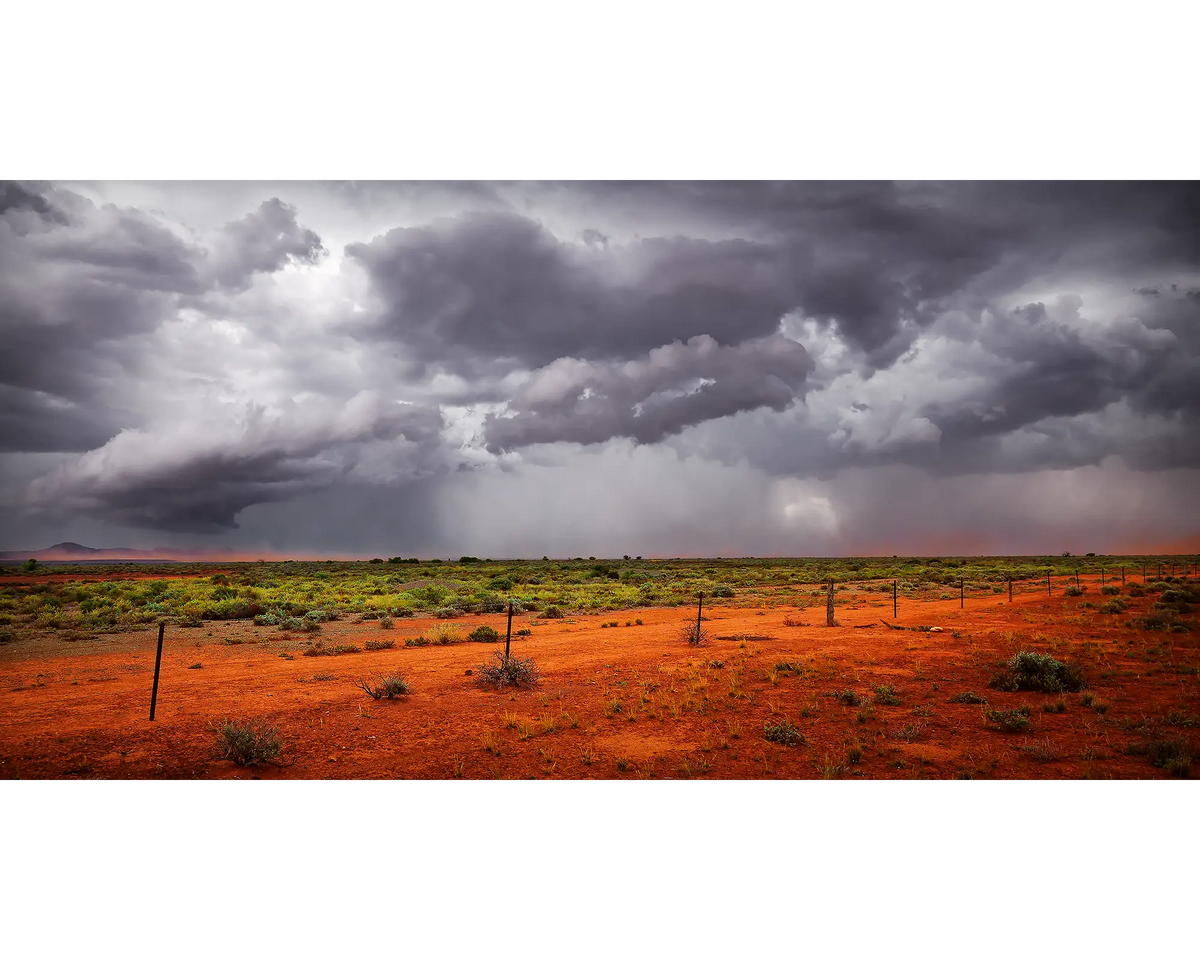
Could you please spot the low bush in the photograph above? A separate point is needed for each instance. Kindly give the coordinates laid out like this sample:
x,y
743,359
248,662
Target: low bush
x,y
248,744
847,698
694,634
508,671
784,733
385,688
484,634
380,644
1074,591
1040,672
1110,589
1173,755
552,613
968,697
886,697
385,622
1010,721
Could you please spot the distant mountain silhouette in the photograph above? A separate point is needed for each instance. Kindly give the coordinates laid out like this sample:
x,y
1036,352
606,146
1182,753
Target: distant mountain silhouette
x,y
68,550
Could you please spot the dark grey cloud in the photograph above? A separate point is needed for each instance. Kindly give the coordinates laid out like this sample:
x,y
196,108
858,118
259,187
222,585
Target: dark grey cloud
x,y
875,262
199,481
182,378
83,286
676,386
499,286
263,242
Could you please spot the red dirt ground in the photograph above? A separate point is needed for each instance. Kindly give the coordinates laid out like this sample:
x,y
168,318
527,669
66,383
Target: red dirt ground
x,y
80,709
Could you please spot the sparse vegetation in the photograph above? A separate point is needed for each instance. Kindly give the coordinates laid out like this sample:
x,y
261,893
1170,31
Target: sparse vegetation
x,y
508,671
783,732
385,688
248,744
968,697
1039,672
484,634
886,697
1010,721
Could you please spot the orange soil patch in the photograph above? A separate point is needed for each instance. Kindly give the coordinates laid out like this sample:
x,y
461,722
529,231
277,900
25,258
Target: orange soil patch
x,y
616,702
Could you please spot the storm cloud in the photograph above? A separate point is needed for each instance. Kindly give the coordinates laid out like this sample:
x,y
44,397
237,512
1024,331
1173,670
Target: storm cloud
x,y
199,360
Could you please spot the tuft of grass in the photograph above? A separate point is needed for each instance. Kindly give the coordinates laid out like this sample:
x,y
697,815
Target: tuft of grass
x,y
552,613
1010,721
444,634
385,622
1172,755
379,644
886,697
196,666
783,732
381,688
248,744
695,634
967,697
1074,591
1059,706
847,698
508,671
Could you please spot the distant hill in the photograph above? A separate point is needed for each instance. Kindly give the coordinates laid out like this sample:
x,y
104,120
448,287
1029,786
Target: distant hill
x,y
77,551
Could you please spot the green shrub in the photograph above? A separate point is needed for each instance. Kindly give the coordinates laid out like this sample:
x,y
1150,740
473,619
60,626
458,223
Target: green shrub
x,y
784,733
385,622
968,697
380,644
847,698
1074,591
1010,721
723,591
484,634
248,744
886,697
552,613
1029,670
1110,589
1173,755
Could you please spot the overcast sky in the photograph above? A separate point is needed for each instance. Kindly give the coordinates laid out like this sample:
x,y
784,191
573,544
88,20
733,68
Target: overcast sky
x,y
585,369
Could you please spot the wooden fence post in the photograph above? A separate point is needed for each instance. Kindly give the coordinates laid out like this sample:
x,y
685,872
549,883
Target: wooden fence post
x,y
829,622
699,610
960,592
894,582
157,663
1010,589
508,636
1047,583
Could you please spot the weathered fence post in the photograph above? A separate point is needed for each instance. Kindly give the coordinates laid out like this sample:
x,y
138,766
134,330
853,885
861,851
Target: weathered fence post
x,y
508,636
1010,589
157,663
1047,583
894,582
829,607
1143,573
699,610
1076,576
961,594
1122,576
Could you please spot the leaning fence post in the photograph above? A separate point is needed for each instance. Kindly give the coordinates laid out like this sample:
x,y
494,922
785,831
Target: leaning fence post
x,y
1122,576
960,592
1047,583
1010,589
829,622
894,582
157,663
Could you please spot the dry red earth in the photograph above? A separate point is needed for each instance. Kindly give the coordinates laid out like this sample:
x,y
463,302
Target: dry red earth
x,y
614,702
